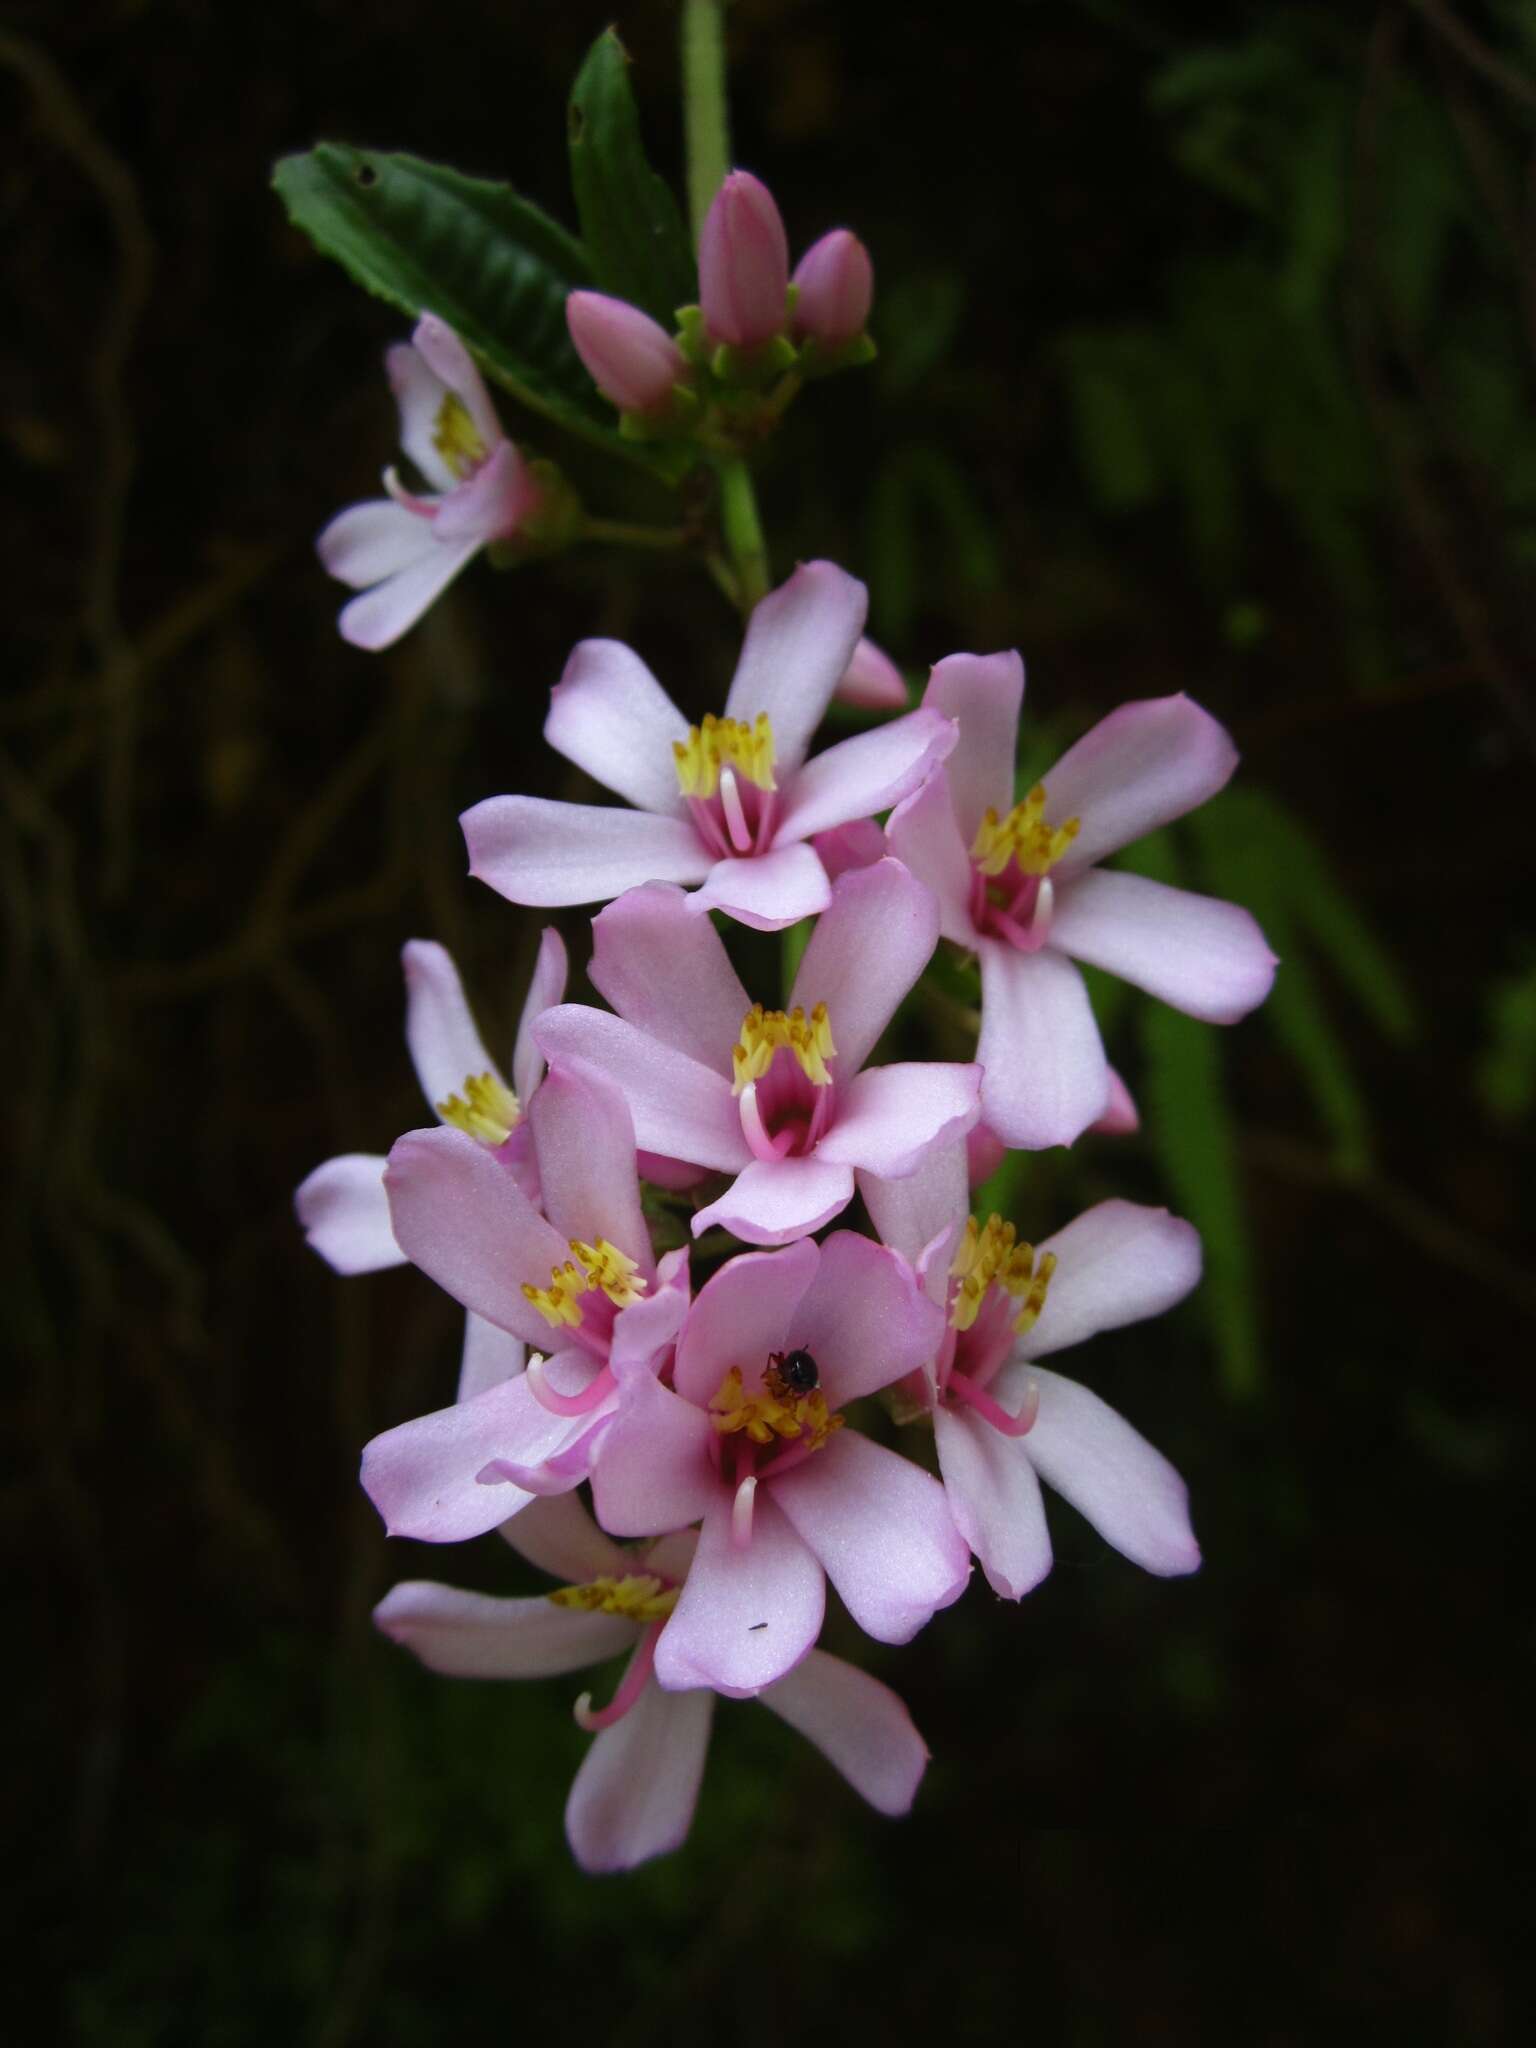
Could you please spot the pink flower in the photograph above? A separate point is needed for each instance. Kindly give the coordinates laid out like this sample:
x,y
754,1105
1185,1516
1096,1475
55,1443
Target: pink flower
x,y
837,288
634,1795
779,1098
731,804
1002,1423
631,360
1019,885
743,264
404,550
748,1440
583,1283
342,1205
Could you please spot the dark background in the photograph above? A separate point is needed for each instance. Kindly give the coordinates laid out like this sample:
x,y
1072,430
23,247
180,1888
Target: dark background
x,y
1198,371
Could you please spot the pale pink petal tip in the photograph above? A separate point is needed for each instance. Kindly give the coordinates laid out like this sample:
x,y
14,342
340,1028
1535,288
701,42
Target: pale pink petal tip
x,y
743,264
872,681
984,1154
837,288
1121,1117
632,360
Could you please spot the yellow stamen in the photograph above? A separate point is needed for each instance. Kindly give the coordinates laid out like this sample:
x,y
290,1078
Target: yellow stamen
x,y
487,1109
993,1257
1023,836
640,1596
763,1032
456,438
776,1411
599,1268
721,742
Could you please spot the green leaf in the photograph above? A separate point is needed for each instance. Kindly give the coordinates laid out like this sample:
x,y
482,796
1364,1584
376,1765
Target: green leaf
x,y
497,269
1191,1126
630,222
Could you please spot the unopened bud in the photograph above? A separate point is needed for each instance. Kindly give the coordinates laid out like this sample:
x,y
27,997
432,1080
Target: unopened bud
x,y
837,288
872,681
631,360
743,264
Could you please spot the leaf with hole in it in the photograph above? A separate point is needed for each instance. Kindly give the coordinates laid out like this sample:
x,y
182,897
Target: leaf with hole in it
x,y
630,223
497,269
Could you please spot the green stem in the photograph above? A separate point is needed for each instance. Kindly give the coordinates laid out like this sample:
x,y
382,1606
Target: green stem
x,y
743,531
706,121
621,533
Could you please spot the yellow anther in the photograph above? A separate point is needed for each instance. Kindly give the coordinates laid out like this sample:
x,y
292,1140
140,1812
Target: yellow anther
x,y
456,438
993,1257
487,1109
763,1032
639,1597
599,1268
1024,837
724,742
776,1411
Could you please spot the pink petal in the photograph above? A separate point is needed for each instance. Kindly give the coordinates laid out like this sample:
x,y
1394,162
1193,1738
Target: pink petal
x,y
491,504
531,850
872,681
635,1793
923,834
985,692
774,1201
1204,956
419,395
865,774
881,1529
461,1217
490,1356
444,1045
994,1497
1045,1079
1107,1470
891,1118
1140,767
1121,1116
859,1725
864,1318
376,620
611,717
985,1150
345,1214
681,1109
910,1213
742,1314
643,1331
586,1147
667,972
766,890
745,1616
371,541
545,989
473,1635
1117,1263
858,845
865,954
423,1475
800,639
558,1535
447,358
655,1472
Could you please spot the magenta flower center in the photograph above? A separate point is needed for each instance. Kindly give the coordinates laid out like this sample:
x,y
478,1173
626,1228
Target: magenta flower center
x,y
764,1432
997,1289
781,1068
1011,861
725,774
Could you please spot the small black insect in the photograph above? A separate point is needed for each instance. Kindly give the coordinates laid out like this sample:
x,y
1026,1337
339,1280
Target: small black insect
x,y
755,1626
798,1370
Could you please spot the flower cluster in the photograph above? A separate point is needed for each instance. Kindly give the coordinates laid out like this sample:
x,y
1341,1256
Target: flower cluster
x,y
710,1388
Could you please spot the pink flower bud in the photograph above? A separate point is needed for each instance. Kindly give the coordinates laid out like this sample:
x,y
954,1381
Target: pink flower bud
x,y
984,1154
743,264
837,287
631,360
872,681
